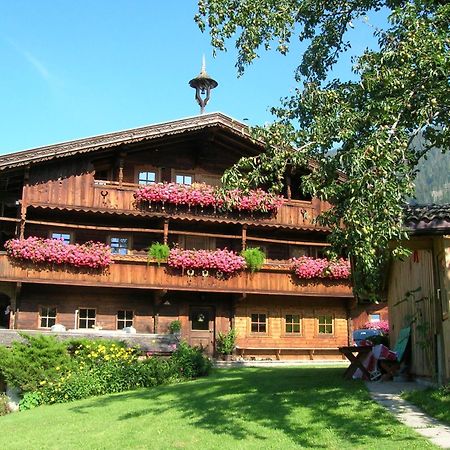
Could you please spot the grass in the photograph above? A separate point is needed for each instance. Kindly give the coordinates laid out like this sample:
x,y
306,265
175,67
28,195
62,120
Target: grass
x,y
435,402
251,408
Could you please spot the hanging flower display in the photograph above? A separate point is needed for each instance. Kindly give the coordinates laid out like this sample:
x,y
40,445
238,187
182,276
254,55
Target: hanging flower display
x,y
307,268
200,194
94,255
225,261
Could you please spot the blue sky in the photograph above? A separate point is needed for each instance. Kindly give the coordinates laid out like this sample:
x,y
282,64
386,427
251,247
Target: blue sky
x,y
73,69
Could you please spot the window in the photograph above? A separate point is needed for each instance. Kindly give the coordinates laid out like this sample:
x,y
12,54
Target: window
x,y
145,178
196,243
65,237
124,319
298,251
325,324
183,179
374,317
258,323
200,318
86,318
47,316
119,245
293,323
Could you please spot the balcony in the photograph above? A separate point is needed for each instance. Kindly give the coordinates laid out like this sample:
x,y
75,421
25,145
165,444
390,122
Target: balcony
x,y
135,272
107,196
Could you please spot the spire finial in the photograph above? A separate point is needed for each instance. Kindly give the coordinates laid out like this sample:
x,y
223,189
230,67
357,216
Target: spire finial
x,y
203,64
203,84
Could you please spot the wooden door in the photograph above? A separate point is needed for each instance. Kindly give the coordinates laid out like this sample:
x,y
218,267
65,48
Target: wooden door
x,y
202,327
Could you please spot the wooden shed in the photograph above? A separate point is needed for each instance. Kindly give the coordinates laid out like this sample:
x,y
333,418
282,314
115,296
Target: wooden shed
x,y
419,291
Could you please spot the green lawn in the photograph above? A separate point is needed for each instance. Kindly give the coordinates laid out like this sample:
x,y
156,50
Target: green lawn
x,y
435,402
264,408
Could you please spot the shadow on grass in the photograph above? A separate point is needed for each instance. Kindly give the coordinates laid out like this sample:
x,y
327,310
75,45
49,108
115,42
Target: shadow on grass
x,y
290,400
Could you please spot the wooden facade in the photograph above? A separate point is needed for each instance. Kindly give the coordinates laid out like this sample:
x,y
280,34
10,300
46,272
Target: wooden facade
x,y
85,190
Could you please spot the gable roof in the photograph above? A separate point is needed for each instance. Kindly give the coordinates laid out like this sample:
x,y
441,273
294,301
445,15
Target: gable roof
x,y
421,219
115,139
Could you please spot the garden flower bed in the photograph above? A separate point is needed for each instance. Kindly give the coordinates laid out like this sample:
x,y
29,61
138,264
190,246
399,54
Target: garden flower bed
x,y
308,268
93,255
203,195
225,261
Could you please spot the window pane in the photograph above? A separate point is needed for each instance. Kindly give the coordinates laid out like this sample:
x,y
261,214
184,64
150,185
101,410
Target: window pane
x,y
296,328
321,328
147,178
262,328
183,179
288,328
200,319
65,237
119,246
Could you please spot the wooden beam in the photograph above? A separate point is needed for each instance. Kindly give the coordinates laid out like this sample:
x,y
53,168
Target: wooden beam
x,y
9,219
280,241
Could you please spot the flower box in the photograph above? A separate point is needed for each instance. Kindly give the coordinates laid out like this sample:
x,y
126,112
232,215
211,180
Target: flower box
x,y
225,261
308,268
205,196
94,255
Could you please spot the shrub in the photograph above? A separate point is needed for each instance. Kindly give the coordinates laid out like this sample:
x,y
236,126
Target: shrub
x,y
97,351
157,370
37,358
175,326
254,258
190,361
4,408
226,342
31,400
158,252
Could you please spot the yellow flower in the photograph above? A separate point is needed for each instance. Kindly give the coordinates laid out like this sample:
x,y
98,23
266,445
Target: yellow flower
x,y
57,367
42,383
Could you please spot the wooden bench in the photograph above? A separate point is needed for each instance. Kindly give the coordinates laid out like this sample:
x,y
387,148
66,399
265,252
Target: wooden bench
x,y
278,350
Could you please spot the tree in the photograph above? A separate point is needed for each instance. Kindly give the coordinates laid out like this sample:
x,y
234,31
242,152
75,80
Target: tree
x,y
363,129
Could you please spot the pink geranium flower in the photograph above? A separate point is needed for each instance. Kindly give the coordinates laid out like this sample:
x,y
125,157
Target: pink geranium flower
x,y
306,267
94,255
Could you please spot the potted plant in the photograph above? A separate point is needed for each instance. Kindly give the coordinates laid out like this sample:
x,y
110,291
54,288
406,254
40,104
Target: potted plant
x,y
225,344
254,258
175,327
158,252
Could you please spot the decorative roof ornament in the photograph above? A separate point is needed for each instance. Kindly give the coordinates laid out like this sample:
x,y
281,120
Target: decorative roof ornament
x,y
203,84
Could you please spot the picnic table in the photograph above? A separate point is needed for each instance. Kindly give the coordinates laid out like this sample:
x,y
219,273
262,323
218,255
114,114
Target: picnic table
x,y
356,355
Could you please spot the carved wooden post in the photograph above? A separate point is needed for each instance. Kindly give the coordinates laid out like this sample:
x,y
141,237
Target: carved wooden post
x,y
288,187
244,237
23,219
121,164
166,231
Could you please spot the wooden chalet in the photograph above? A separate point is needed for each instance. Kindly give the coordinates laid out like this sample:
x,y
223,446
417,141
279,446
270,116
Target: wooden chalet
x,y
419,292
84,190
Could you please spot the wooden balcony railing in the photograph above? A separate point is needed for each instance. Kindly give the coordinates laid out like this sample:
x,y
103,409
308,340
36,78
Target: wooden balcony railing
x,y
106,195
135,272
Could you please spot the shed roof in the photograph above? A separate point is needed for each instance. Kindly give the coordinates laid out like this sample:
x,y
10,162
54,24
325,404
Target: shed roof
x,y
428,219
